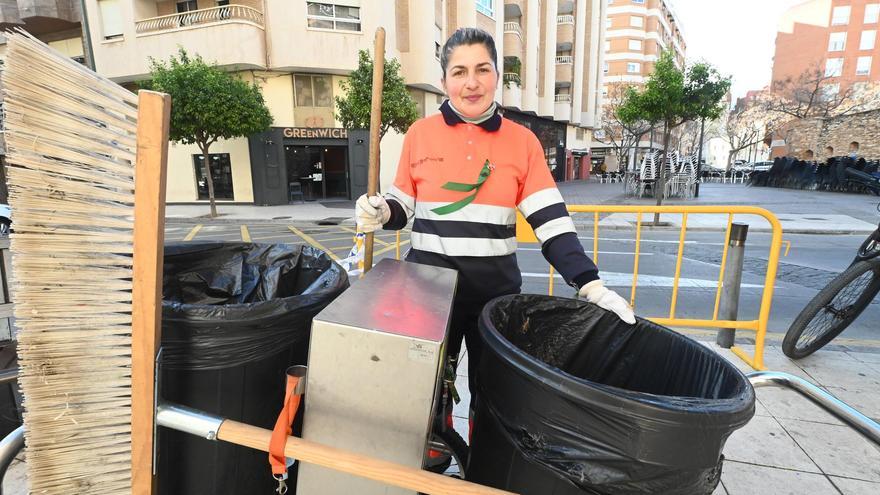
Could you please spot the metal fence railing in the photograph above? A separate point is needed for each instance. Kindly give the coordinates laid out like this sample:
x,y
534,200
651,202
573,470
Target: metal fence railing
x,y
758,325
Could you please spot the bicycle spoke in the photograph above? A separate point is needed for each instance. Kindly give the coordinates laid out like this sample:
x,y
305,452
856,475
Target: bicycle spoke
x,y
838,311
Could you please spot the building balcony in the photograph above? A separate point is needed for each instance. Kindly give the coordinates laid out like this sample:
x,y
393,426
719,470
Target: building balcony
x,y
564,71
562,108
564,32
40,17
231,36
513,8
511,95
513,40
227,14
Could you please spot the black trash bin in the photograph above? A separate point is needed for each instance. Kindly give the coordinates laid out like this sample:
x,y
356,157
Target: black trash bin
x,y
571,400
234,317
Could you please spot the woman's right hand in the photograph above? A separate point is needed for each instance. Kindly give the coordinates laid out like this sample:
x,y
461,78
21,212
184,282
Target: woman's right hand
x,y
371,212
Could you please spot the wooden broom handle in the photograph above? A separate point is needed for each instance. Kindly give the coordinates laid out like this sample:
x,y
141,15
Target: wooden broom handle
x,y
359,465
375,124
154,115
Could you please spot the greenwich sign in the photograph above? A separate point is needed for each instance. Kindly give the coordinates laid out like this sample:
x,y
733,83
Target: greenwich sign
x,y
315,132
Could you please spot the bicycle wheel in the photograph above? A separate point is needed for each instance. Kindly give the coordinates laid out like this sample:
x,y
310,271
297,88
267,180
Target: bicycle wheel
x,y
452,453
833,309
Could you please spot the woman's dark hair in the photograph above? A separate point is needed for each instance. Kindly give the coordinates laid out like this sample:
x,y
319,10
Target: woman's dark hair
x,y
468,36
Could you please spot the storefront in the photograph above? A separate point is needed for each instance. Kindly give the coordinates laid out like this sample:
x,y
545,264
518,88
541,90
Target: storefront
x,y
324,163
552,136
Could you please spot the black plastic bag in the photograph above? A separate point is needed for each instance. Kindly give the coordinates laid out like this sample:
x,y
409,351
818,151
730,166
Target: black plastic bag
x,y
227,304
573,400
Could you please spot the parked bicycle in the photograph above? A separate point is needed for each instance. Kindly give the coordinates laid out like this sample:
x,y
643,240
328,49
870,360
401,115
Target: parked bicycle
x,y
839,303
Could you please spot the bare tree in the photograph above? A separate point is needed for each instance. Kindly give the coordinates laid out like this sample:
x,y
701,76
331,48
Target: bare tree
x,y
623,137
814,94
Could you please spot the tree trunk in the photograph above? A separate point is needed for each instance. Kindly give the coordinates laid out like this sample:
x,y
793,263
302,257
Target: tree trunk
x,y
660,189
206,162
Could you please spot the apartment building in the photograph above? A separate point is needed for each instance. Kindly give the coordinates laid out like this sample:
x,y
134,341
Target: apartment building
x,y
636,32
837,36
299,51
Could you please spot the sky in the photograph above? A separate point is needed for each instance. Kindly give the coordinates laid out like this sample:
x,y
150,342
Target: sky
x,y
738,37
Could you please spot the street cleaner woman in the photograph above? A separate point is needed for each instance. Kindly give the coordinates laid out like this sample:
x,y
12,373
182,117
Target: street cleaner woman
x,y
462,174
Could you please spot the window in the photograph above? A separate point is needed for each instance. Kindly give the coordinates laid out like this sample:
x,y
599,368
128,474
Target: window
x,y
872,13
863,66
485,7
111,19
840,16
605,69
187,6
833,67
636,21
607,46
635,45
221,175
607,23
837,42
313,91
222,3
331,16
638,1
579,133
867,41
633,67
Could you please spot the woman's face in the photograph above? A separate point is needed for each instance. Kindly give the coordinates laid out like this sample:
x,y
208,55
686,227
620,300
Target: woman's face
x,y
470,79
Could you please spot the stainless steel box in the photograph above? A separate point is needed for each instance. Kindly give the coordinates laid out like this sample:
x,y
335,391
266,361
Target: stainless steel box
x,y
375,361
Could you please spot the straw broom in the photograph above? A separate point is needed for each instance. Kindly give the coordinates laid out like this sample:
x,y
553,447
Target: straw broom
x,y
79,288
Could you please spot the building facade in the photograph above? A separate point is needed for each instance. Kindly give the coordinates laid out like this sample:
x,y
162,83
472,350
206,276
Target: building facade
x,y
636,32
298,52
839,37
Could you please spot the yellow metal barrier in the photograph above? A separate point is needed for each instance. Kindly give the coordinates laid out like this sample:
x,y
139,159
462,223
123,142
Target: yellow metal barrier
x,y
759,326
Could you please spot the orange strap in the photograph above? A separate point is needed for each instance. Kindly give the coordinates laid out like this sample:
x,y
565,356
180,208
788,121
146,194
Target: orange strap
x,y
283,426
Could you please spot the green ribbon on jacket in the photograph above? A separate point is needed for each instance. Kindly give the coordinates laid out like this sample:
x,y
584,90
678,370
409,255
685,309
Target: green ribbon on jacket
x,y
458,186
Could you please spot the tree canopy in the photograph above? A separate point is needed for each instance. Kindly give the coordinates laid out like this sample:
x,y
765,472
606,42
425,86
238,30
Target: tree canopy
x,y
207,104
399,110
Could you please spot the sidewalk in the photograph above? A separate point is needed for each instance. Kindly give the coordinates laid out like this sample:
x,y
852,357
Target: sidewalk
x,y
804,212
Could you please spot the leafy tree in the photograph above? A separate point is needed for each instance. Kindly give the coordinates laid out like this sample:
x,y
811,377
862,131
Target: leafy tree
x,y
672,97
399,110
207,104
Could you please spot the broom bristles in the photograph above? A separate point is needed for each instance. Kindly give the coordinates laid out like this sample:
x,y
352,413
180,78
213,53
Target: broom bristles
x,y
71,141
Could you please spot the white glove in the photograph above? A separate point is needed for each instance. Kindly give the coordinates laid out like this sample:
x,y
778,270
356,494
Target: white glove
x,y
596,293
371,213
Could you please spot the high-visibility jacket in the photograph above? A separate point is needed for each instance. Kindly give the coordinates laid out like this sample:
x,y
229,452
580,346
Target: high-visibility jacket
x,y
479,239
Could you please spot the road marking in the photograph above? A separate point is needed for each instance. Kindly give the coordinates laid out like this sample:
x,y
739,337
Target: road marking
x,y
389,248
192,233
600,252
313,242
375,237
625,280
245,235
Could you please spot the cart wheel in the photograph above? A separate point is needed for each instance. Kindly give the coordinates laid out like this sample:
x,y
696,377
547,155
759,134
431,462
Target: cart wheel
x,y
447,453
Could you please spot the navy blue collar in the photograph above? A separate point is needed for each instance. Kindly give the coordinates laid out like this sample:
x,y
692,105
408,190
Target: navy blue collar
x,y
451,118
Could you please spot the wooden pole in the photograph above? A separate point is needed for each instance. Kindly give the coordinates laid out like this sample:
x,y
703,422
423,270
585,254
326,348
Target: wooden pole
x,y
375,124
359,465
154,116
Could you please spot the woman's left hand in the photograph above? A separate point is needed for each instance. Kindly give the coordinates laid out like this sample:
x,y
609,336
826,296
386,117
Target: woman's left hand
x,y
596,293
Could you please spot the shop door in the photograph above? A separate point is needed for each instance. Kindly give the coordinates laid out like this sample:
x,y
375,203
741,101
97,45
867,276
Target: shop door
x,y
321,171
